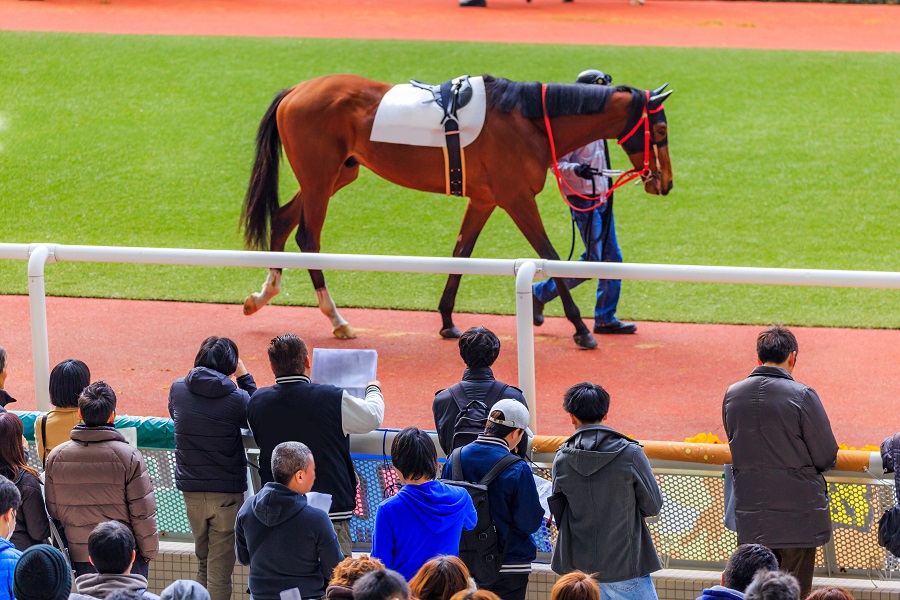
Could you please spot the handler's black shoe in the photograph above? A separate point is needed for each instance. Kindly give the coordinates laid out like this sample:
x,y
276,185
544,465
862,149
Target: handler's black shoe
x,y
473,3
616,327
538,309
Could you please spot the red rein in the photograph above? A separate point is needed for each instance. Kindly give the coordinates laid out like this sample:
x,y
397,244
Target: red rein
x,y
621,180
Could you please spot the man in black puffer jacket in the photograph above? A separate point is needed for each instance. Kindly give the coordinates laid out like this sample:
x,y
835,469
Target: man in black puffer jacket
x,y
209,411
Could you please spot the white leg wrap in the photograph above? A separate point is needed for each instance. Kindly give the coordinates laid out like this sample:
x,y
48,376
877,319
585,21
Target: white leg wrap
x,y
340,328
270,289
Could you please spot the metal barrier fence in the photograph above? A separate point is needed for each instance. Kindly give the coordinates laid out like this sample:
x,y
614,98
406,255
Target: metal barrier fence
x,y
689,531
524,270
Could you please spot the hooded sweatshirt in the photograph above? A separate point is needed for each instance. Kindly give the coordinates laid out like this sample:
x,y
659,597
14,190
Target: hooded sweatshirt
x,y
101,585
720,592
609,489
287,544
420,522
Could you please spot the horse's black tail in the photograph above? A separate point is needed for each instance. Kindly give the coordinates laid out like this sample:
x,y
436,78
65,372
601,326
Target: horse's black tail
x,y
262,193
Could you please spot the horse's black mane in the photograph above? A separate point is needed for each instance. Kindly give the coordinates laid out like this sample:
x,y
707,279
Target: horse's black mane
x,y
562,99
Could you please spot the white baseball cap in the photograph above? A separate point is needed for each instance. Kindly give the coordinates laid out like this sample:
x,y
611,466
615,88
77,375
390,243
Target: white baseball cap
x,y
515,415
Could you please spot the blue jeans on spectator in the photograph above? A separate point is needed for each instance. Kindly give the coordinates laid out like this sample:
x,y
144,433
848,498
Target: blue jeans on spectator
x,y
640,588
590,224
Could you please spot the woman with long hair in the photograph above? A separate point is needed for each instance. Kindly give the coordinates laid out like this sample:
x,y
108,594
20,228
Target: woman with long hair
x,y
32,524
67,380
440,578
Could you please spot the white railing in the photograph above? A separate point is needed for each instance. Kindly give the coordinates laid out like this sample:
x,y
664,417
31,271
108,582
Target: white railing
x,y
524,269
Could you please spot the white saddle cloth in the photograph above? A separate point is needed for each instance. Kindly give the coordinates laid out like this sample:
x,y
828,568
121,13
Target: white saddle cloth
x,y
409,115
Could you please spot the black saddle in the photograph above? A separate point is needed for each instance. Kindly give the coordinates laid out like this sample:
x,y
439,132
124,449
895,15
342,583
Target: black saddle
x,y
450,95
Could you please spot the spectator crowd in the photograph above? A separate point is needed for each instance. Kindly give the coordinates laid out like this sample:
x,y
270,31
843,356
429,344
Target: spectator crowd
x,y
458,532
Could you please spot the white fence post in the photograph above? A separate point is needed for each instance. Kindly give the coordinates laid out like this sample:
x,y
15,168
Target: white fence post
x,y
40,347
525,271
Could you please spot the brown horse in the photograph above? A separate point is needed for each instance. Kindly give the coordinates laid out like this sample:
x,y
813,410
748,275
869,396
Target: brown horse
x,y
324,125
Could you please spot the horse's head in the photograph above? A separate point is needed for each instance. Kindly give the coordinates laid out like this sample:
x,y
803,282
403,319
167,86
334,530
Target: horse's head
x,y
649,154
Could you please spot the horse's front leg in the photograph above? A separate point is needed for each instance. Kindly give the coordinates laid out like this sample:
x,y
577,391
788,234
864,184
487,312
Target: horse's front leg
x,y
476,215
283,222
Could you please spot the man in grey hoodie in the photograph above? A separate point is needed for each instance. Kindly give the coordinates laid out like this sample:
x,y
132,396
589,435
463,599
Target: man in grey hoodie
x,y
291,547
602,490
111,548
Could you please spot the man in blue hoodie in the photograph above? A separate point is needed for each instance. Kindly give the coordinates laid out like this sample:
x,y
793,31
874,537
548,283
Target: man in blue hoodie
x,y
515,507
426,517
742,565
291,547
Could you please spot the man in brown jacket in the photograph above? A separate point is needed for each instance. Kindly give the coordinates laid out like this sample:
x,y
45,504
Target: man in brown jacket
x,y
98,477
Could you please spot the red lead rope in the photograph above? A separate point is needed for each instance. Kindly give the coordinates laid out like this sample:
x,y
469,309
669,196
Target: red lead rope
x,y
621,180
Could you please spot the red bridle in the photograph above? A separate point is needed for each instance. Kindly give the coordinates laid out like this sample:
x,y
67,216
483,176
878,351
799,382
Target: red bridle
x,y
624,178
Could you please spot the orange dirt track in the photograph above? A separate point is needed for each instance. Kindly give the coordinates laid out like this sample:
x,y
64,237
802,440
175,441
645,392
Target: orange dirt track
x,y
666,382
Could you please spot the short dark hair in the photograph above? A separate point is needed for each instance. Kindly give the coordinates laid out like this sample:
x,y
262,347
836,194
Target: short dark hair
x,y
479,347
67,380
773,585
9,495
413,454
97,403
287,459
287,355
381,585
497,430
587,402
775,344
110,546
744,563
2,358
218,354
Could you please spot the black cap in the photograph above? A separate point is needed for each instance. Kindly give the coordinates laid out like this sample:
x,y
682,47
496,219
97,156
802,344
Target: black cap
x,y
594,76
42,573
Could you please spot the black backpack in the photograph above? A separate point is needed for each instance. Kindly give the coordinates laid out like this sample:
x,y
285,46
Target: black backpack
x,y
472,417
479,548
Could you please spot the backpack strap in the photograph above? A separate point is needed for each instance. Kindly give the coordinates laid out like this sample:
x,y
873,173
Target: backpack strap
x,y
459,396
494,394
43,419
500,466
456,465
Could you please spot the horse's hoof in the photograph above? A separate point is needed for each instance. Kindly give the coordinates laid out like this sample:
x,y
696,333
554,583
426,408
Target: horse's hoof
x,y
250,305
451,333
585,340
344,332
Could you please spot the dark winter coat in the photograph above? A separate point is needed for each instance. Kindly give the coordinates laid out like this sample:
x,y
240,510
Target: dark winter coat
x,y
609,490
209,411
781,442
287,544
32,523
890,453
476,383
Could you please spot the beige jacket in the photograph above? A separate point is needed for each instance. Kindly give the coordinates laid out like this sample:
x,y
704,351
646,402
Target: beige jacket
x,y
98,477
60,422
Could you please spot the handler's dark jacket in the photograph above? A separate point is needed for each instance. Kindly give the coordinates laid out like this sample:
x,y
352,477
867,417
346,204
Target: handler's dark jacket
x,y
890,453
609,489
209,411
781,443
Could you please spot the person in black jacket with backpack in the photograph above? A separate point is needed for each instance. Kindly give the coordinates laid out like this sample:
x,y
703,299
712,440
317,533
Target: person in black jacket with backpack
x,y
461,410
209,411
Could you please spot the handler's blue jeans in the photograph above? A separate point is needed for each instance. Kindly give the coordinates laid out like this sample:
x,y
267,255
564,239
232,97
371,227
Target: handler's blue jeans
x,y
591,235
640,588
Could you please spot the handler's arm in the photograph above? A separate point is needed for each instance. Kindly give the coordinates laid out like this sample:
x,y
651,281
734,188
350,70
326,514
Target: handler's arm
x,y
362,415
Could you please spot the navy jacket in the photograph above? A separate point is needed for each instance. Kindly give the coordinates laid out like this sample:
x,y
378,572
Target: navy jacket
x,y
209,411
515,507
287,544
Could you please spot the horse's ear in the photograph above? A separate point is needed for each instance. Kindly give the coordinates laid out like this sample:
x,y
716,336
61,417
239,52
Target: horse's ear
x,y
657,99
659,90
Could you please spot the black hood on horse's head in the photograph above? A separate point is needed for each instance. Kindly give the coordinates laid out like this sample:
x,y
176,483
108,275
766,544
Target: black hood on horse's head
x,y
562,98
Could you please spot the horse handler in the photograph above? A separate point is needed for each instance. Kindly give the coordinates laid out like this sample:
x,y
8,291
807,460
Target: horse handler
x,y
583,171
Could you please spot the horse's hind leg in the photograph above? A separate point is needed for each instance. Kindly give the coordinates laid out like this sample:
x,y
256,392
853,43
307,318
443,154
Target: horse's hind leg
x,y
476,215
283,222
308,237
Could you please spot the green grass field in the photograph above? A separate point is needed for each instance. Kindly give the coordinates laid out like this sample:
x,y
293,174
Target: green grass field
x,y
782,159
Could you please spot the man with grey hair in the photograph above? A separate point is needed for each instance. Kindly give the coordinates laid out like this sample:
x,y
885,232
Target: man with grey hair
x,y
291,547
773,585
